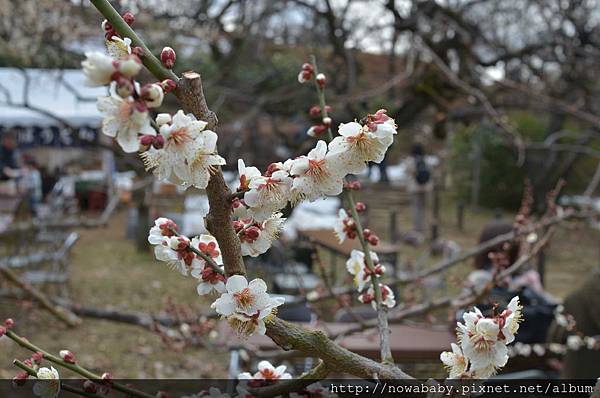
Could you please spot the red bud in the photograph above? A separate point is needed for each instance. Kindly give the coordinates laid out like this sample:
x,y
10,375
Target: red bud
x,y
168,85
373,240
20,379
159,141
137,50
89,386
167,57
129,18
315,111
360,207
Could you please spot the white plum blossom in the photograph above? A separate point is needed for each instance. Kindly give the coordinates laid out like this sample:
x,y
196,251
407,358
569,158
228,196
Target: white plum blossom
x,y
455,361
483,340
266,371
387,297
357,144
318,174
345,226
118,48
513,315
189,152
153,95
268,194
247,174
479,342
175,252
98,68
357,267
257,238
246,305
124,118
163,227
48,384
574,342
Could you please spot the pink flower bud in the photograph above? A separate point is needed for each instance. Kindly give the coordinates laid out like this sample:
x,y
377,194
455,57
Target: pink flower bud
x,y
147,140
327,121
321,80
353,186
168,85
124,87
373,240
107,377
138,51
167,57
37,357
20,379
238,226
9,323
366,233
360,207
159,142
316,131
89,386
67,356
252,233
315,111
2,331
129,18
106,26
307,67
28,362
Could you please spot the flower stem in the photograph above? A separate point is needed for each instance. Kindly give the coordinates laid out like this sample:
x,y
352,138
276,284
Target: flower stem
x,y
384,332
120,26
74,367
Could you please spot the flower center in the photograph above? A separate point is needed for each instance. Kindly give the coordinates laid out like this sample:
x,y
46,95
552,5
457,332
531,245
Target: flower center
x,y
244,298
317,170
125,111
180,137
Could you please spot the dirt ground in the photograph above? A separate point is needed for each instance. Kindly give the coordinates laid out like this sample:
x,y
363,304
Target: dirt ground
x,y
107,272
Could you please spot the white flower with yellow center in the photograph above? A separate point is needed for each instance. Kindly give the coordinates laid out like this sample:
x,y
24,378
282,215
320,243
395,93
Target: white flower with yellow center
x,y
118,48
98,69
357,145
266,371
268,231
456,363
188,156
357,267
267,194
124,120
48,384
318,174
246,305
479,343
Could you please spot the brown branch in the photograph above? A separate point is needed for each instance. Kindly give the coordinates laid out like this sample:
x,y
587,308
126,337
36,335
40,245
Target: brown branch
x,y
59,312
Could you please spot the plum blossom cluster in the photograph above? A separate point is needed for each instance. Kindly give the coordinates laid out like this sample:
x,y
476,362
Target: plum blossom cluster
x,y
576,339
482,343
363,277
178,148
261,196
189,256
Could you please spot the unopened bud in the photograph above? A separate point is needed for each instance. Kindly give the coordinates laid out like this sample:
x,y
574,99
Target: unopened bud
x,y
321,80
9,323
106,26
159,142
353,186
67,356
168,85
20,379
152,94
163,118
307,67
360,207
2,331
37,357
124,87
129,18
252,233
366,233
130,66
147,140
238,226
314,111
167,57
109,34
373,240
108,377
90,386
327,121
137,50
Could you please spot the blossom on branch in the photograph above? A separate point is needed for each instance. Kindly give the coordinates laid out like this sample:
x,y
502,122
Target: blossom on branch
x,y
267,194
357,266
163,227
256,238
118,48
387,297
266,372
124,118
345,226
188,156
246,305
317,174
455,362
209,278
48,384
175,251
358,144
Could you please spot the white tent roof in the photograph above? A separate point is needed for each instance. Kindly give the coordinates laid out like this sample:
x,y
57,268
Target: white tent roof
x,y
61,93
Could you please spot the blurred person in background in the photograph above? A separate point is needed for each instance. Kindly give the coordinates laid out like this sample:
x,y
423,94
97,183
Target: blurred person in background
x,y
30,183
538,305
8,163
419,182
583,305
